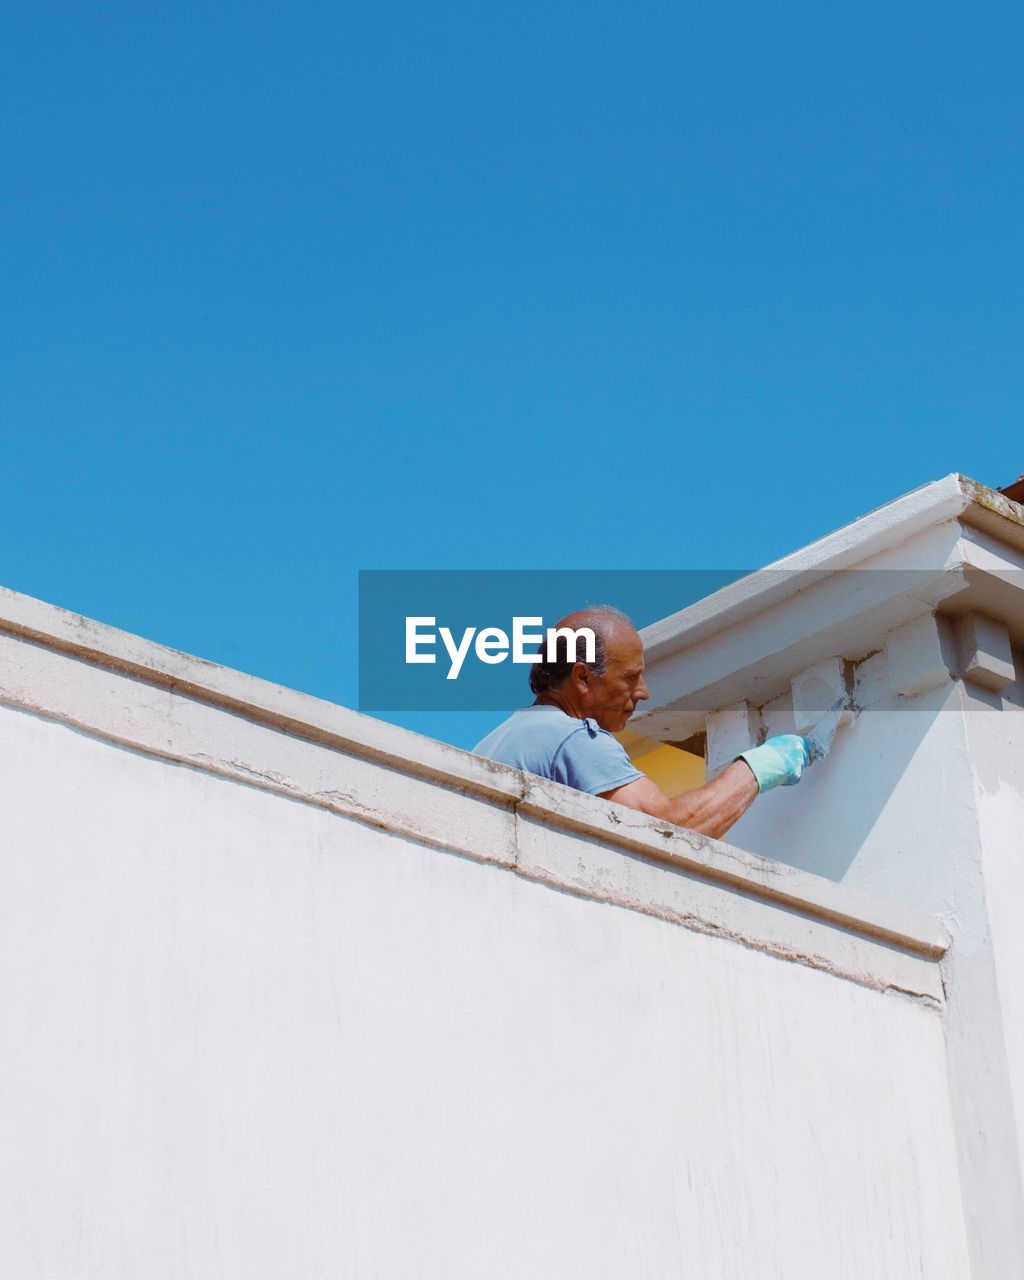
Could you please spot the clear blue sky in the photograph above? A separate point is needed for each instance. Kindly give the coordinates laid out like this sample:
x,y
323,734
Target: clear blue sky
x,y
291,290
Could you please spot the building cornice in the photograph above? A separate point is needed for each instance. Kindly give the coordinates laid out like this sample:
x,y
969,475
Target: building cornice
x,y
955,497
952,548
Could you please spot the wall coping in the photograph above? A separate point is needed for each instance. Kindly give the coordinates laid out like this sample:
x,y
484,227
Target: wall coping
x,y
337,728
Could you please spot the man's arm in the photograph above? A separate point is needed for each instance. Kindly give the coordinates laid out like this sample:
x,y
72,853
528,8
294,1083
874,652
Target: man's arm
x,y
711,809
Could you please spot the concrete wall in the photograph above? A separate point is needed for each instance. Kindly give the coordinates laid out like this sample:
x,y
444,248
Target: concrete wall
x,y
921,801
287,993
912,620
994,726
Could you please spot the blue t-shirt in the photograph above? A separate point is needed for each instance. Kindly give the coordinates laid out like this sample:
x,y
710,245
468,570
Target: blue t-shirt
x,y
578,753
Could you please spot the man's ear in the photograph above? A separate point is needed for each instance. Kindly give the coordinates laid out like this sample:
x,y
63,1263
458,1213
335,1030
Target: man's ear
x,y
581,675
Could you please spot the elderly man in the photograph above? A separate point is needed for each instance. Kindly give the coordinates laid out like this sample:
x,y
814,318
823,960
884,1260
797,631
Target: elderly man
x,y
566,734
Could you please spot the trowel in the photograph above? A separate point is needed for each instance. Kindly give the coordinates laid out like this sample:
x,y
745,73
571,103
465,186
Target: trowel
x,y
822,734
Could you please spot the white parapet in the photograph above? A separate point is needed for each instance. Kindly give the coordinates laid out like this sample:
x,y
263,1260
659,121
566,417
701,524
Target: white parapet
x,y
291,992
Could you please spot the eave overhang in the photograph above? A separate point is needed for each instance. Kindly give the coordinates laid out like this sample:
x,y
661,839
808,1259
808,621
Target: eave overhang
x,y
950,548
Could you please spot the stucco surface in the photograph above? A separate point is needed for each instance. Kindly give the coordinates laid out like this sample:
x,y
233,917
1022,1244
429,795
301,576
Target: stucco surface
x,y
247,1035
995,731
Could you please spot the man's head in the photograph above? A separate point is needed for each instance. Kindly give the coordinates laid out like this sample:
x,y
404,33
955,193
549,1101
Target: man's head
x,y
607,689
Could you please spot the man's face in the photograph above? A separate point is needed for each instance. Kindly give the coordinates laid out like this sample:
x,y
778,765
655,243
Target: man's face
x,y
611,698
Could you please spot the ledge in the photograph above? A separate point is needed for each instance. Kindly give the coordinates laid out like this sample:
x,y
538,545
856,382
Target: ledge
x,y
261,701
718,861
179,708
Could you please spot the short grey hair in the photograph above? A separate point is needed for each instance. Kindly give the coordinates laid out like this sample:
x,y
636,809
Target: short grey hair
x,y
545,676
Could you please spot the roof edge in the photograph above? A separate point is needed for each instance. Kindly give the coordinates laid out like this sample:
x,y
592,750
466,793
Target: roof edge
x,y
953,497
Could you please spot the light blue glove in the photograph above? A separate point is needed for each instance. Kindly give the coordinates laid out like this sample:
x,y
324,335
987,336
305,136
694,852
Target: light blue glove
x,y
780,762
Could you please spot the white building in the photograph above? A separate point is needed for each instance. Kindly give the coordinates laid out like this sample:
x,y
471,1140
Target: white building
x,y
288,992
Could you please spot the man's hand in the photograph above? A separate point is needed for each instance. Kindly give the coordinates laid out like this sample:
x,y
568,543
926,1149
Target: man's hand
x,y
711,809
780,762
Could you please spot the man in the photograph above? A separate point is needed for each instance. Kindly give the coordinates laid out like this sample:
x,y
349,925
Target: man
x,y
566,734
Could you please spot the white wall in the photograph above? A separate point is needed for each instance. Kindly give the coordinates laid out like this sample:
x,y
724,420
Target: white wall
x,y
994,726
251,1027
921,801
911,615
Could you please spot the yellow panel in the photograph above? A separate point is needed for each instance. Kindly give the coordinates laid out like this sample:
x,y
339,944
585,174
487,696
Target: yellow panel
x,y
673,770
635,743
